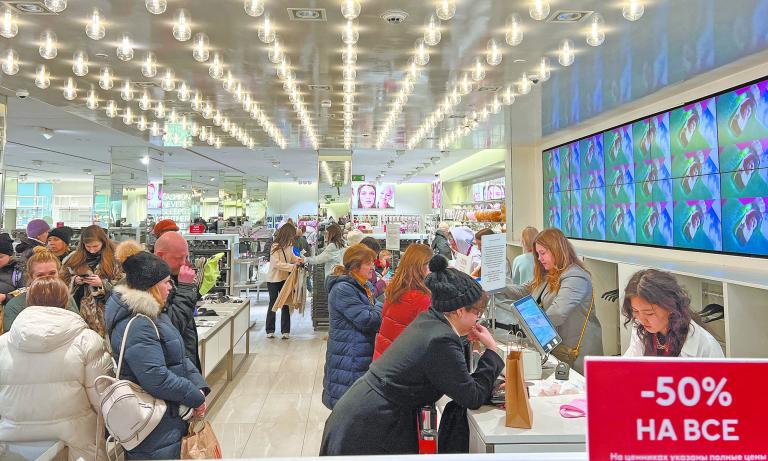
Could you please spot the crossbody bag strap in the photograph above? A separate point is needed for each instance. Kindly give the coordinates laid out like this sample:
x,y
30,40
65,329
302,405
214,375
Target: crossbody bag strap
x,y
586,320
125,338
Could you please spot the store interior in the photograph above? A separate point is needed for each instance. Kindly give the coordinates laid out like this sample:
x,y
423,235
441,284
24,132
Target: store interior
x,y
253,113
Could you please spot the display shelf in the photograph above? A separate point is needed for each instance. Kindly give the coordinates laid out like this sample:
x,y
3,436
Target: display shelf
x,y
205,245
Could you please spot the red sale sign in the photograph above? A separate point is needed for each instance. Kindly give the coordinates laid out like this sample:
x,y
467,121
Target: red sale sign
x,y
196,229
667,408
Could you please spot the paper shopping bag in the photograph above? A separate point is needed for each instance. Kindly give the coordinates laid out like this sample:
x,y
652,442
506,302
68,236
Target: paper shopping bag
x,y
201,444
519,412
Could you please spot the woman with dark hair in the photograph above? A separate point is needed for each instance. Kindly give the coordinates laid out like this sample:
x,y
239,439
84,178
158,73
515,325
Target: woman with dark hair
x,y
366,196
659,310
91,271
282,262
334,246
562,286
406,296
355,318
378,414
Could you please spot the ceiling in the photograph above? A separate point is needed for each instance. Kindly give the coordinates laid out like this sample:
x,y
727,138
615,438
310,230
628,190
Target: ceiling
x,y
673,41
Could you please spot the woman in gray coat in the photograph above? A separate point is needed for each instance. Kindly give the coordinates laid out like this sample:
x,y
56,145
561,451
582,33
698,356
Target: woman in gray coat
x,y
333,252
562,286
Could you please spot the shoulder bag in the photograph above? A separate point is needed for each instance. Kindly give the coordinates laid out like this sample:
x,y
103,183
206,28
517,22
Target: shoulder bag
x,y
569,354
130,413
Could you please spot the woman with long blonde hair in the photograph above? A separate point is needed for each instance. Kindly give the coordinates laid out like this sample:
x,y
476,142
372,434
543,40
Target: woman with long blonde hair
x,y
91,272
406,296
562,286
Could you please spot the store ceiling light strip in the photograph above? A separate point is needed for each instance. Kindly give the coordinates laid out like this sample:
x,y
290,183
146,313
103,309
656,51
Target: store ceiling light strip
x,y
351,10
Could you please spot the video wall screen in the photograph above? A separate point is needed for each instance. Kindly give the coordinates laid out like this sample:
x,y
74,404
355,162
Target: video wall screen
x,y
694,178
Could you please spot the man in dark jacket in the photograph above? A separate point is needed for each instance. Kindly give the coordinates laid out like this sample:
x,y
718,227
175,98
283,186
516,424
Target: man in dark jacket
x,y
37,236
172,248
11,271
441,244
377,415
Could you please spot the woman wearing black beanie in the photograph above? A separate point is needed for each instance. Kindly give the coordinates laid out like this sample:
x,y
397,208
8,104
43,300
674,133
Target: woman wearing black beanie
x,y
425,362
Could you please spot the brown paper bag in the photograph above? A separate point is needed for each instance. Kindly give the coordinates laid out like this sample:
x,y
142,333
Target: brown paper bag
x,y
519,412
201,444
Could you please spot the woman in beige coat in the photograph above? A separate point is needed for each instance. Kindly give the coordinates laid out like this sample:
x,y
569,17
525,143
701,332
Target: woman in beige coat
x,y
48,362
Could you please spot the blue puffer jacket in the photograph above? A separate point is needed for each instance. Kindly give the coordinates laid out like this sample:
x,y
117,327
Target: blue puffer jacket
x,y
354,322
159,366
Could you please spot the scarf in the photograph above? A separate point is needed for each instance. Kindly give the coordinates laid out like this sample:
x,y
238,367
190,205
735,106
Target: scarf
x,y
364,282
92,260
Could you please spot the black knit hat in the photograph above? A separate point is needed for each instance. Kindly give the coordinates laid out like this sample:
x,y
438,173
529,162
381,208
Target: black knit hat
x,y
63,233
6,247
145,270
451,289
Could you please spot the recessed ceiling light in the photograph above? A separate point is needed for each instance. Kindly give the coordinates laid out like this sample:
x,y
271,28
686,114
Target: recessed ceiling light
x,y
306,14
569,17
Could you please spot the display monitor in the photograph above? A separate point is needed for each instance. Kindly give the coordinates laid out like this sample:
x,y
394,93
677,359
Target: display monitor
x,y
536,325
366,195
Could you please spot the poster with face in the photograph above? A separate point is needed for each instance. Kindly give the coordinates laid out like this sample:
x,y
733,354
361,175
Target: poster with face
x,y
437,194
494,191
367,195
592,162
619,161
593,213
155,195
694,139
745,225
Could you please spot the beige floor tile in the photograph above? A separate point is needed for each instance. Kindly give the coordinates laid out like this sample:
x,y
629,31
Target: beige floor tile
x,y
299,364
252,384
293,383
232,437
318,413
318,386
275,439
312,441
261,363
243,410
286,407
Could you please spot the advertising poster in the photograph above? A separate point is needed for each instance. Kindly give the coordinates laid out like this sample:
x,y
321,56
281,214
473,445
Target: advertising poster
x,y
155,195
366,195
437,194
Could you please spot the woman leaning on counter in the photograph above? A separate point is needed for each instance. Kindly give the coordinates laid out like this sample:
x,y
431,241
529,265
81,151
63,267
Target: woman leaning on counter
x,y
663,324
562,286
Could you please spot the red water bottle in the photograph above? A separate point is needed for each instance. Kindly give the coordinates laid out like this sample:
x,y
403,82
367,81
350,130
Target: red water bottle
x,y
427,427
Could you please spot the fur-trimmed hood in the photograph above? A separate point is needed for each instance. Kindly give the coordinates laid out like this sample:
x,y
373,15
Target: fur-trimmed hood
x,y
138,302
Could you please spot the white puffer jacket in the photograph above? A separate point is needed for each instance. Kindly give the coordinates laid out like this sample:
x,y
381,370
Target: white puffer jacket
x,y
48,362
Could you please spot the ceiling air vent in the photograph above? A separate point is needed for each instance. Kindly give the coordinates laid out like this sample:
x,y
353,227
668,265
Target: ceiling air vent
x,y
457,116
319,87
492,89
146,84
29,7
307,14
394,16
569,16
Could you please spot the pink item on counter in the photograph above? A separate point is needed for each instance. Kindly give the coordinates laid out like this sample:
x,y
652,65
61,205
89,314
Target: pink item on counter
x,y
575,409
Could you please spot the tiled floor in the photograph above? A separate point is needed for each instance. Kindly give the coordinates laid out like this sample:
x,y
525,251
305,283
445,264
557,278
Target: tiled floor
x,y
273,406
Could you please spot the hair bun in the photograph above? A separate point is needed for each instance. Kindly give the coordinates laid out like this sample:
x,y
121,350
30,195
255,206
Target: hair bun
x,y
438,263
40,249
127,249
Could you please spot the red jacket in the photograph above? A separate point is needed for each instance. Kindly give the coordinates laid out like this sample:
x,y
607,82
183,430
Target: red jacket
x,y
397,316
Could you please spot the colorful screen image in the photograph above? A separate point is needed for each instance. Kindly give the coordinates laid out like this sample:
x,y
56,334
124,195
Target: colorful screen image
x,y
574,166
572,214
642,138
744,183
620,223
661,154
693,129
552,215
742,115
566,153
697,187
367,195
437,194
551,162
654,213
592,162
745,225
619,161
695,163
698,224
748,155
593,213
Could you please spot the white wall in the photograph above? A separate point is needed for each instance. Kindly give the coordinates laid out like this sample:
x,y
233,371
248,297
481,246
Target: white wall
x,y
292,199
414,198
528,160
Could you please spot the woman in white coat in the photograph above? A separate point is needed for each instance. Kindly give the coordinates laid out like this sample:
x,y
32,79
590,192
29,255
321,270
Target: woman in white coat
x,y
48,362
331,255
660,311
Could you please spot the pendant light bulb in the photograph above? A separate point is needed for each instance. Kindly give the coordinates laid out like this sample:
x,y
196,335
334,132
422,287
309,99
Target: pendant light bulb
x,y
111,109
432,33
508,97
349,55
275,52
95,28
182,30
9,26
596,33
465,86
201,48
539,9
183,92
156,6
145,103
495,105
421,52
160,110
350,9
128,116
514,31
106,80
544,71
478,70
70,89
216,70
254,8
168,83
493,55
566,53
524,87
80,65
633,10
149,67
127,91
446,9
42,77
11,62
141,124
49,48
92,100
350,35
56,6
125,49
266,30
